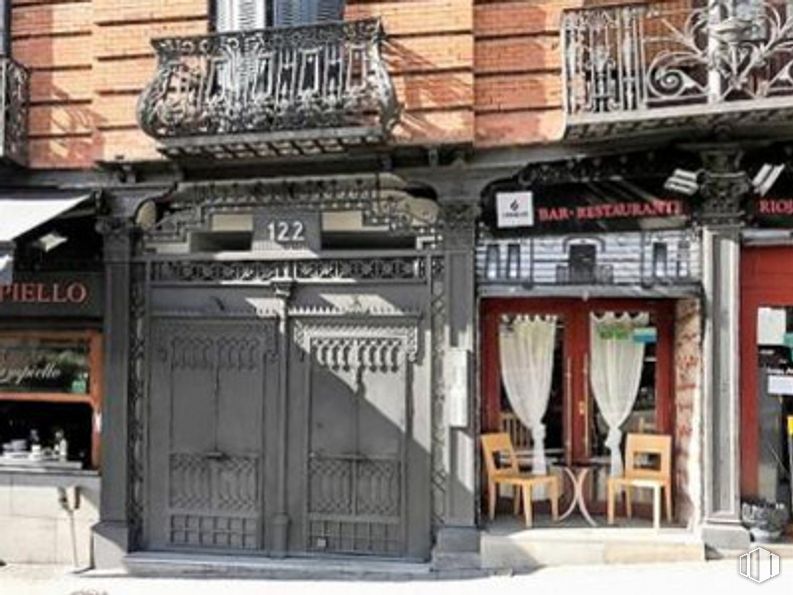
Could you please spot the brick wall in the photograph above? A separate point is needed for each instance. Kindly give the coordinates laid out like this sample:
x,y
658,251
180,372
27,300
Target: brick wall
x,y
89,61
518,71
483,71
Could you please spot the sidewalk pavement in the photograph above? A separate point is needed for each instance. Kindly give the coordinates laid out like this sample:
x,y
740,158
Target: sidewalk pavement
x,y
667,579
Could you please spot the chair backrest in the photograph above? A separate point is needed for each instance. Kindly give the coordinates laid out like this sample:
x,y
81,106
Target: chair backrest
x,y
493,445
639,447
518,433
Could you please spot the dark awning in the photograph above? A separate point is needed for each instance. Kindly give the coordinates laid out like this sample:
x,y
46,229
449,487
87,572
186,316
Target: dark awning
x,y
21,212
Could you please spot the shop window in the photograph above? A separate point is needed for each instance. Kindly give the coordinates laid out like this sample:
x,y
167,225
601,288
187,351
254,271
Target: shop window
x,y
50,403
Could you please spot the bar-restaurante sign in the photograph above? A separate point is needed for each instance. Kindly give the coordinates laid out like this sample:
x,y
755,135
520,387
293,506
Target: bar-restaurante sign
x,y
571,208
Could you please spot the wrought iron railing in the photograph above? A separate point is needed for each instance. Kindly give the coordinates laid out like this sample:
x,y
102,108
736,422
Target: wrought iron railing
x,y
327,75
15,99
630,58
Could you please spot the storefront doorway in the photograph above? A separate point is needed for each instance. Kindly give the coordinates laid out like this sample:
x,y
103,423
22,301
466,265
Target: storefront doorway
x,y
607,372
767,376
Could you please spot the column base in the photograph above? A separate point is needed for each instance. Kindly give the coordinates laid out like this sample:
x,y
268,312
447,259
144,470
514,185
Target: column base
x,y
280,542
110,543
457,548
726,535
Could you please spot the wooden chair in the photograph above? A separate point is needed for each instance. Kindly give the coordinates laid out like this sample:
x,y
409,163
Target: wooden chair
x,y
522,483
637,476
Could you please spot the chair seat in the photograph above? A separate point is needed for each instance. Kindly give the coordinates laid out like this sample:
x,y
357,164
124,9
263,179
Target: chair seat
x,y
523,478
638,482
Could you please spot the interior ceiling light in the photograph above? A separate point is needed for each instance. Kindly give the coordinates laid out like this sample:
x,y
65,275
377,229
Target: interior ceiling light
x,y
683,181
767,177
50,241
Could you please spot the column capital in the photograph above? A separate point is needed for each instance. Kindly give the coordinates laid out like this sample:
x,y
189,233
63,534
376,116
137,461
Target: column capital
x,y
725,184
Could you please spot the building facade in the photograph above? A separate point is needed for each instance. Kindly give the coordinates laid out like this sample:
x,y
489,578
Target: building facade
x,y
321,223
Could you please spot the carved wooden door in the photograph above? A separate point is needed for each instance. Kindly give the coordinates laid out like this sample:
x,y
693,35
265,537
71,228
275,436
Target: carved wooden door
x,y
207,435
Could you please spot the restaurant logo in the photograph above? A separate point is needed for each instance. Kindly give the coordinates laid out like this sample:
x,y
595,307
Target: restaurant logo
x,y
74,292
515,209
759,565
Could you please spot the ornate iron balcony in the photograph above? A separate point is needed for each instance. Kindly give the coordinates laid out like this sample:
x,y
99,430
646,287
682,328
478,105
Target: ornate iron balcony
x,y
14,121
291,90
637,69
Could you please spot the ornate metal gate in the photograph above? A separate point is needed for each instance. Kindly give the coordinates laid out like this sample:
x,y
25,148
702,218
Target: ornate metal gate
x,y
207,440
358,424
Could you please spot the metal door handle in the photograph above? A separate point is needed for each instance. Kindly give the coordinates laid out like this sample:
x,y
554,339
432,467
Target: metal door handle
x,y
216,455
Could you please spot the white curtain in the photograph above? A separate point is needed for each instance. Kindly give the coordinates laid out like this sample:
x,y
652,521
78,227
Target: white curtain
x,y
526,346
615,372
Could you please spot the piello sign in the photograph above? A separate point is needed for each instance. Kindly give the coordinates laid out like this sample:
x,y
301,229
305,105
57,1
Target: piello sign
x,y
57,292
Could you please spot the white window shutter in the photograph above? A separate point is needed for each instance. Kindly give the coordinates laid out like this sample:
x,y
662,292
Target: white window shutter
x,y
240,15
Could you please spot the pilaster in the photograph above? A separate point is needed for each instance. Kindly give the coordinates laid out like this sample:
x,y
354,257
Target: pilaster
x,y
723,189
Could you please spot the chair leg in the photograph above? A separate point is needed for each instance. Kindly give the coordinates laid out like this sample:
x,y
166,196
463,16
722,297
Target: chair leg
x,y
610,497
657,507
516,500
527,512
668,496
491,499
628,502
554,492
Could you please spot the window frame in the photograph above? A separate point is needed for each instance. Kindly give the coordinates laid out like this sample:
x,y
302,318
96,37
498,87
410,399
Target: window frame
x,y
95,382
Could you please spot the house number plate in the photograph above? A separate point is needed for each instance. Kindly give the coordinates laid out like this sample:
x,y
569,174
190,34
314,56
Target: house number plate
x,y
283,229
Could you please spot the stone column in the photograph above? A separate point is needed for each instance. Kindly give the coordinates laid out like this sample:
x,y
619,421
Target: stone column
x,y
111,539
113,536
724,185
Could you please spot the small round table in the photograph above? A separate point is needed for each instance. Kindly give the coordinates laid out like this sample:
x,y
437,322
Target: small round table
x,y
578,471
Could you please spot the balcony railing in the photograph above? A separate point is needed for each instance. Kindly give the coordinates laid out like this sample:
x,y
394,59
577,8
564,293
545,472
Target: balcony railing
x,y
14,121
652,64
274,91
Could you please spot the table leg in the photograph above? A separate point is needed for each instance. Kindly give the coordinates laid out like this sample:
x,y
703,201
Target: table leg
x,y
573,500
580,497
578,482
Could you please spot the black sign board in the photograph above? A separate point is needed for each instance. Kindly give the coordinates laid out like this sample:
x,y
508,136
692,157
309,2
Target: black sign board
x,y
53,294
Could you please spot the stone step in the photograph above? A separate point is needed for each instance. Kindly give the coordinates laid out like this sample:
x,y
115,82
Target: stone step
x,y
526,551
161,564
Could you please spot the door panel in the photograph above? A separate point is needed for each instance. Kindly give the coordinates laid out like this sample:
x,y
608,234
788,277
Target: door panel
x,y
358,404
207,453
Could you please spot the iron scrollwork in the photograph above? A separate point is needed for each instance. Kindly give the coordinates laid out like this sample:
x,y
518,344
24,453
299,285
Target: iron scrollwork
x,y
326,75
15,98
636,57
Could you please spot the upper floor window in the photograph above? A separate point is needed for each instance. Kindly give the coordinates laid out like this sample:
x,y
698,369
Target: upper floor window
x,y
240,15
